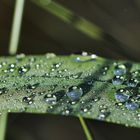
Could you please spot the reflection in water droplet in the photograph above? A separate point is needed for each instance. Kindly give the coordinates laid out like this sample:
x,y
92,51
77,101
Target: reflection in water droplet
x,y
122,95
117,80
135,74
28,100
50,99
66,110
54,97
104,70
132,82
74,93
23,69
3,90
132,105
120,70
103,115
86,108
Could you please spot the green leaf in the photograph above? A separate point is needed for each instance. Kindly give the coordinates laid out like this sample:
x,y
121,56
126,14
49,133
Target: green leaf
x,y
69,85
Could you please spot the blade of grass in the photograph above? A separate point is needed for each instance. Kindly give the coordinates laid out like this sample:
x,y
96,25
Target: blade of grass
x,y
85,128
69,17
16,26
3,122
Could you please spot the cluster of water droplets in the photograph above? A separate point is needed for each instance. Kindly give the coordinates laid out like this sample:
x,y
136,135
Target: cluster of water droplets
x,y
128,96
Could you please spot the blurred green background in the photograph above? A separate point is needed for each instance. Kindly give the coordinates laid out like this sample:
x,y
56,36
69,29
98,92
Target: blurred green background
x,y
43,32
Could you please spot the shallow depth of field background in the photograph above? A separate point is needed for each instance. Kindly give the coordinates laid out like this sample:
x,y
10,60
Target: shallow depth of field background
x,y
42,32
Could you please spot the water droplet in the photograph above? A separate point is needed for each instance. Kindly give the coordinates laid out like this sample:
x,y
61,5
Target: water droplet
x,y
135,74
20,56
28,100
56,65
3,90
96,99
94,56
117,80
103,115
50,55
132,105
122,95
54,97
104,70
120,70
75,76
50,99
77,59
132,82
66,110
74,93
23,69
34,86
86,108
118,104
84,54
32,60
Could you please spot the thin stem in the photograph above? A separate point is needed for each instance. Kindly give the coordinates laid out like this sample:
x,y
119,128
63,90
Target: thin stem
x,y
85,128
3,122
16,26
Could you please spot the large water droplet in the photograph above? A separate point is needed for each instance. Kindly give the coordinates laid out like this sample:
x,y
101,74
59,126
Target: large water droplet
x,y
120,70
74,93
132,105
117,80
122,95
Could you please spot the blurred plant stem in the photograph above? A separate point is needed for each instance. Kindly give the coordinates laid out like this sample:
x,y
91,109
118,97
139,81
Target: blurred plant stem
x,y
70,17
16,26
3,122
85,128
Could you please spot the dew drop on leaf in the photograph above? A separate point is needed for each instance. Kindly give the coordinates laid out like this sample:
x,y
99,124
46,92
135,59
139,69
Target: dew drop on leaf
x,y
54,97
132,82
122,95
117,80
120,70
28,100
50,99
34,86
3,90
20,56
74,93
23,69
132,105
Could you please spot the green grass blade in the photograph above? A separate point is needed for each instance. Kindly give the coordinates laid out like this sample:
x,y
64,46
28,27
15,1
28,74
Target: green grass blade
x,y
71,18
85,128
16,26
40,84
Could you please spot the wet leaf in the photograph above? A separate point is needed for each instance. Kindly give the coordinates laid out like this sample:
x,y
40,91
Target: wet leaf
x,y
77,85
